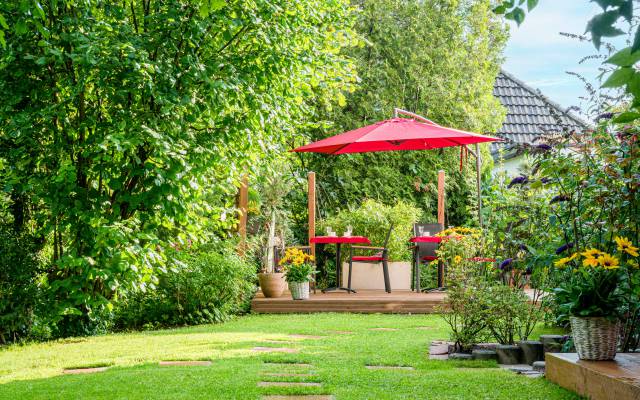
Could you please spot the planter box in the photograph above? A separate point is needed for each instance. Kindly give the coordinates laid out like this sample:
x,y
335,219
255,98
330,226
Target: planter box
x,y
370,276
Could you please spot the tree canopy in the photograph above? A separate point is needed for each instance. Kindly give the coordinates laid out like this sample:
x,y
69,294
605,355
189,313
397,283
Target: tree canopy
x,y
436,58
120,117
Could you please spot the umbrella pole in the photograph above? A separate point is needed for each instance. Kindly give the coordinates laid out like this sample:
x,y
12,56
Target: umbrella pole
x,y
478,187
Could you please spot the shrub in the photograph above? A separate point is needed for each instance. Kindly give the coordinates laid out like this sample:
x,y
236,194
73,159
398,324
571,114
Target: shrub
x,y
20,294
510,314
213,284
372,219
466,305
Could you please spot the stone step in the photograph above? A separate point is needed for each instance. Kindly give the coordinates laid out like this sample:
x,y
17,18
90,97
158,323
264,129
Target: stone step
x,y
184,363
299,397
289,384
262,349
391,367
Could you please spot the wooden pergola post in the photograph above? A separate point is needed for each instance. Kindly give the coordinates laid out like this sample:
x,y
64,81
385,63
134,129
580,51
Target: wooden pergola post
x,y
441,221
311,199
243,205
441,197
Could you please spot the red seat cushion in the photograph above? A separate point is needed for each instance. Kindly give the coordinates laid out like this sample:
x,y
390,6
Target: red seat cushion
x,y
429,258
367,258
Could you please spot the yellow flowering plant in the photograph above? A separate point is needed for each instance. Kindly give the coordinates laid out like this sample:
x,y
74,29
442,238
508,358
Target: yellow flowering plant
x,y
297,265
596,282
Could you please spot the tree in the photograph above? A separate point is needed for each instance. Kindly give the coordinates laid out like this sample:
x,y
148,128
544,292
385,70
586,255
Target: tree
x,y
436,58
119,117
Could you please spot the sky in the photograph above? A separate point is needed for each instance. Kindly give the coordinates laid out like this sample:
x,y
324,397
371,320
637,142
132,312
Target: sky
x,y
537,54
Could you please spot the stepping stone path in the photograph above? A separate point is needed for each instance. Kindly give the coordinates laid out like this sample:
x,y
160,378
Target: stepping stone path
x,y
292,384
262,349
539,366
522,369
424,328
184,363
341,332
300,397
383,329
289,384
295,336
271,364
439,350
287,374
276,342
376,367
79,371
460,356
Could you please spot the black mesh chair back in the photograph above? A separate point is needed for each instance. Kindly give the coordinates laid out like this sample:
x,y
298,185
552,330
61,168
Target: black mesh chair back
x,y
426,251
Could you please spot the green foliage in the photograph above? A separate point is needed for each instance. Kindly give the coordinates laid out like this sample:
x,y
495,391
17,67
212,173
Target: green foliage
x,y
596,199
212,284
523,227
20,295
444,70
510,314
373,219
128,122
466,306
481,300
300,273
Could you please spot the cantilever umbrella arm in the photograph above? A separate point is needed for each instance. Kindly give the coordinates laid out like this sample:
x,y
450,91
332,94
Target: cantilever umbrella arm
x,y
476,154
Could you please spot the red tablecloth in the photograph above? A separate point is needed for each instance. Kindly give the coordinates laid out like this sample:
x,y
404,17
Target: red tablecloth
x,y
340,239
426,239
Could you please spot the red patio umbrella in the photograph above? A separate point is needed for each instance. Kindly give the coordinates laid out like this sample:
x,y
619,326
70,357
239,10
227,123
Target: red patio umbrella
x,y
394,135
400,134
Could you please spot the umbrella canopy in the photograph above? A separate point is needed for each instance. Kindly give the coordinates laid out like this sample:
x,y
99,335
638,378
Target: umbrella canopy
x,y
394,135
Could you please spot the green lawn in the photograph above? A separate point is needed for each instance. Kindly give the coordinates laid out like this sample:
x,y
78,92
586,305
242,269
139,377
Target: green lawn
x,y
35,371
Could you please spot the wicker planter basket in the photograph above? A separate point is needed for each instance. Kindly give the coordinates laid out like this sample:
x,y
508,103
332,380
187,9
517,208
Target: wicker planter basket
x,y
299,290
595,338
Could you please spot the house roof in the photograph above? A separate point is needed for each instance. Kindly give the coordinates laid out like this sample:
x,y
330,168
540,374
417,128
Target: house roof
x,y
530,114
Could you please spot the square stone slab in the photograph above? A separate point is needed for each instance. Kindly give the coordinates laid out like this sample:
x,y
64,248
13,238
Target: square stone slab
x,y
389,367
261,349
281,365
424,328
384,329
300,397
287,374
276,341
289,384
78,371
185,363
438,356
341,332
297,336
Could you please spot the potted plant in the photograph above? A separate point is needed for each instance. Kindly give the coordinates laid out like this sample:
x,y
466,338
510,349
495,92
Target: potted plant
x,y
271,277
299,272
592,297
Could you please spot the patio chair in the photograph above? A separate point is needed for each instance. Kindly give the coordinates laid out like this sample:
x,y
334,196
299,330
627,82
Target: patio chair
x,y
279,252
424,253
381,256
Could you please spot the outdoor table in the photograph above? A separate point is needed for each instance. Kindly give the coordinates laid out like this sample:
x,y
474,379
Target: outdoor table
x,y
429,239
338,241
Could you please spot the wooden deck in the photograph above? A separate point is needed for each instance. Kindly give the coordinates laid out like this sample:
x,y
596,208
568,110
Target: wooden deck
x,y
365,301
597,380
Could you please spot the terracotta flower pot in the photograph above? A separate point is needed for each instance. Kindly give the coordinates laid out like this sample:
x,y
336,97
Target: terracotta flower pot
x,y
272,284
